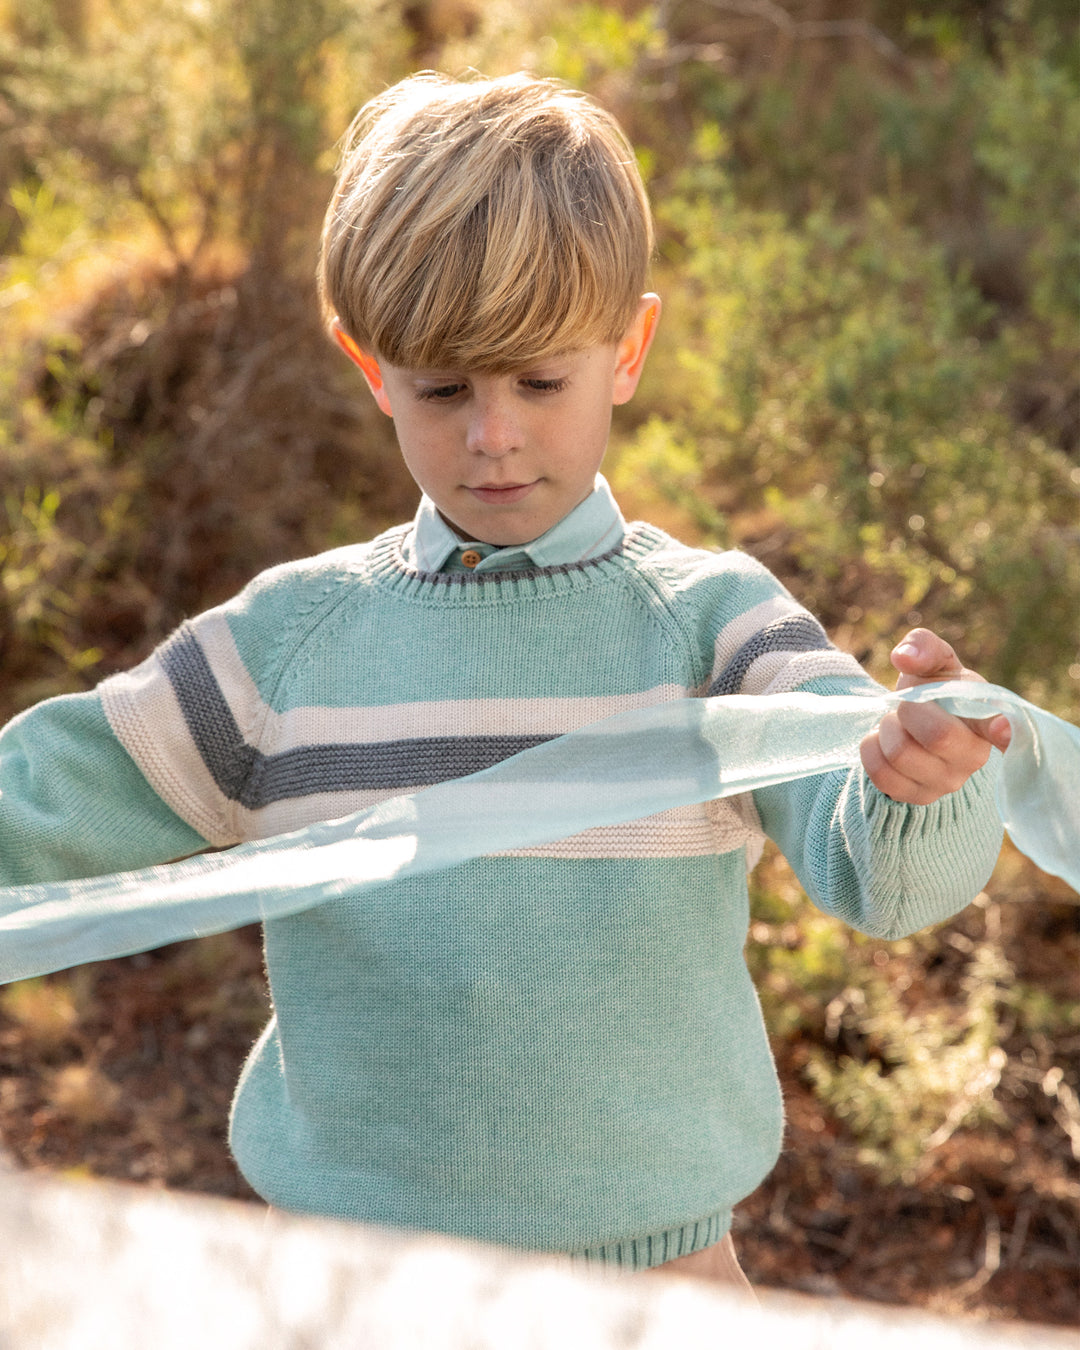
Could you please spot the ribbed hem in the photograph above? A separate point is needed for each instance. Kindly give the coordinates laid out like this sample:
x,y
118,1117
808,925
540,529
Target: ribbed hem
x,y
642,1253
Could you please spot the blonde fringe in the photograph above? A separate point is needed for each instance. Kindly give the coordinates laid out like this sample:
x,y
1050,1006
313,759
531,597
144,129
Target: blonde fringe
x,y
484,224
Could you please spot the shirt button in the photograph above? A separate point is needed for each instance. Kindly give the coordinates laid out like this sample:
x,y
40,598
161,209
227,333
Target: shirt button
x,y
470,558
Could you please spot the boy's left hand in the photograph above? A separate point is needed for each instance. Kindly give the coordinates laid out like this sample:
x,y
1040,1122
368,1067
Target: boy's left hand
x,y
919,752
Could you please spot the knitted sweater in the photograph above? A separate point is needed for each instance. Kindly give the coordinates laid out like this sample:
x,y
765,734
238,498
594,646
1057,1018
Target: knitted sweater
x,y
559,1047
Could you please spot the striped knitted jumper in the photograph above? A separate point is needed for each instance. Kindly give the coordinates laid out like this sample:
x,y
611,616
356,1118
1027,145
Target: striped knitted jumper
x,y
557,1048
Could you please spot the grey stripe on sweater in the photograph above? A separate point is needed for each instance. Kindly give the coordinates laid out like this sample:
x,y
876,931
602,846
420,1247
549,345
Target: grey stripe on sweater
x,y
246,775
799,633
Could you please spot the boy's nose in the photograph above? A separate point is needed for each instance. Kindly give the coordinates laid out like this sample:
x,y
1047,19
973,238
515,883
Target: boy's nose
x,y
493,430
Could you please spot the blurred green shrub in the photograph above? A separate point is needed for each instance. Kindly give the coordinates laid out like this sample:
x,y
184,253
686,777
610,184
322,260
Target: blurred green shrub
x,y
923,1076
66,525
835,379
204,118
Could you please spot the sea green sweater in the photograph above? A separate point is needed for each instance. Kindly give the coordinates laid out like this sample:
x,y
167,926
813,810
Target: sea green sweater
x,y
556,1048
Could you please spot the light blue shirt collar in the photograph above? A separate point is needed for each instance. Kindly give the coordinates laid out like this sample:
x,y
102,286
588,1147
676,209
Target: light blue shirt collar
x,y
593,527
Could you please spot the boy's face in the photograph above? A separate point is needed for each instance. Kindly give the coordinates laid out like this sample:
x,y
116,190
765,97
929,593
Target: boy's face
x,y
505,457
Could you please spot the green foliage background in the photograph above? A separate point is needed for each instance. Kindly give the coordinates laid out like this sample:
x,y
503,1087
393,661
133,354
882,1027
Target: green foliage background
x,y
867,371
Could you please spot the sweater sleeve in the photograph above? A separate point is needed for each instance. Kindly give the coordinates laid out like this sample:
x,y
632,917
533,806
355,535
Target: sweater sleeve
x,y
884,867
72,801
153,764
140,771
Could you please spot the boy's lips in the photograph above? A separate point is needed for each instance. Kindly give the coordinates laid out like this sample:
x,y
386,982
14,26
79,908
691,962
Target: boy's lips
x,y
502,493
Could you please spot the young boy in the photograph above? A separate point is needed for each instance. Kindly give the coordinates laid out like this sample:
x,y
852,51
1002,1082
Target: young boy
x,y
557,1048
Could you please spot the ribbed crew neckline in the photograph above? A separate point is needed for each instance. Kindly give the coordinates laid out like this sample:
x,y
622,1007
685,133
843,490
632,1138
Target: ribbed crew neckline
x,y
390,570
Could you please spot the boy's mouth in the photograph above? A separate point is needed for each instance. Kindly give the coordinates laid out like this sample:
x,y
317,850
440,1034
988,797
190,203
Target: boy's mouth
x,y
502,493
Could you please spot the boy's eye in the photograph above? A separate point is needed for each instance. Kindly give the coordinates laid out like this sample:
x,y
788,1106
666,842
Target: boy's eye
x,y
438,393
547,386
442,393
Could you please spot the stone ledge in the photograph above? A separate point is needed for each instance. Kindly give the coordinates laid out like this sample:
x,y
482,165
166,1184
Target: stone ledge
x,y
101,1266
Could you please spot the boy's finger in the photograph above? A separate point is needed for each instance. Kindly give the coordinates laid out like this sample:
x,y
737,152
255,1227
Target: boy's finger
x,y
935,729
996,730
951,740
900,767
923,656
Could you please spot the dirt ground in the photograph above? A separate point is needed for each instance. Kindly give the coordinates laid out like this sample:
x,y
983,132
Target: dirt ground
x,y
125,1069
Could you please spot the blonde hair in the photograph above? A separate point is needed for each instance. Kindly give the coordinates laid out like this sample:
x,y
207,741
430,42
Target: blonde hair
x,y
484,224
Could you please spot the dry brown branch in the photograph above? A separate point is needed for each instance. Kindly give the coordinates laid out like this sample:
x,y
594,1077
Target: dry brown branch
x,y
800,30
991,1261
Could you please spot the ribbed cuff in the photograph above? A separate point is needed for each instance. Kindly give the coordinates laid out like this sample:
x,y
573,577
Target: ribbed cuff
x,y
942,854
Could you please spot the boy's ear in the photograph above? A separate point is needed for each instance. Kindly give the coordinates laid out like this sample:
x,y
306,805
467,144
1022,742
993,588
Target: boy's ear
x,y
368,365
632,350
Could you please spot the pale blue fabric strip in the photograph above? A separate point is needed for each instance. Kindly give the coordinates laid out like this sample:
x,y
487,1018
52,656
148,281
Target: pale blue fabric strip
x,y
623,768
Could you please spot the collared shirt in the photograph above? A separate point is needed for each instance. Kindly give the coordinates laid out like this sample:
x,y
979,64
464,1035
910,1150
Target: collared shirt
x,y
593,527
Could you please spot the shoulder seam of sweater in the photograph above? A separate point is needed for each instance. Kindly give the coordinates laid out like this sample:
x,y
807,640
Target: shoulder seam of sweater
x,y
653,575
298,632
659,602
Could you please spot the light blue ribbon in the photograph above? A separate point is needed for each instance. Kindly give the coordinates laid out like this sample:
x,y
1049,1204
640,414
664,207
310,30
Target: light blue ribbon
x,y
622,768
